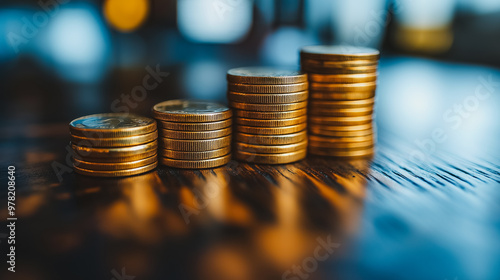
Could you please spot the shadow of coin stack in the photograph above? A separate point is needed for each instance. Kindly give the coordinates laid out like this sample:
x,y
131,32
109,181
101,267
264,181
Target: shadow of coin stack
x,y
270,108
194,134
114,144
342,84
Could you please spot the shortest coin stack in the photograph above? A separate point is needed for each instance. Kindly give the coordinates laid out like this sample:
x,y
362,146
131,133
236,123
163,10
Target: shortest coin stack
x,y
342,84
114,144
193,134
270,114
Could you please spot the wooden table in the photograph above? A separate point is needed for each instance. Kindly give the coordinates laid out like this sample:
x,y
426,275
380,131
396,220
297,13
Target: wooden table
x,y
411,212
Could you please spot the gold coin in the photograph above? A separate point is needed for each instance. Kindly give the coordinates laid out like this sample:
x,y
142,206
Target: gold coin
x,y
343,79
317,95
195,145
271,130
195,135
342,112
342,127
341,152
346,70
326,140
265,76
116,173
342,145
271,123
341,120
111,125
114,153
268,107
190,111
271,98
119,159
270,115
343,104
283,139
268,88
337,64
196,164
335,133
195,155
271,158
339,53
273,149
344,87
114,142
201,126
113,166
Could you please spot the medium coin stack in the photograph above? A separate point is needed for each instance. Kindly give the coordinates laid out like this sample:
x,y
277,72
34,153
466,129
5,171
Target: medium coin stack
x,y
194,134
342,83
114,144
270,107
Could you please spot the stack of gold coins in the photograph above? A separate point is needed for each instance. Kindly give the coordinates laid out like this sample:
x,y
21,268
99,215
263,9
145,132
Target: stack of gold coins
x,y
114,145
194,134
270,107
342,83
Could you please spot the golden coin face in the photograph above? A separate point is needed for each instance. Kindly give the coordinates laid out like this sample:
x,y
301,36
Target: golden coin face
x,y
190,111
343,79
341,121
195,155
111,125
283,158
359,87
265,76
270,149
342,112
339,53
114,142
341,96
116,173
196,164
270,115
341,152
337,64
195,145
268,98
342,104
270,123
244,88
194,135
271,130
283,139
201,126
89,152
268,107
112,166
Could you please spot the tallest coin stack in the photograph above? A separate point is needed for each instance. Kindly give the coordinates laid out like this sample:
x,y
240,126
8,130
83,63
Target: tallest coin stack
x,y
342,83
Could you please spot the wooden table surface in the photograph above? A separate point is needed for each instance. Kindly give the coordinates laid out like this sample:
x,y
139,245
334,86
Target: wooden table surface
x,y
422,208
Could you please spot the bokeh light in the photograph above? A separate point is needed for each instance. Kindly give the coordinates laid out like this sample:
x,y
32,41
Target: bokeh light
x,y
126,15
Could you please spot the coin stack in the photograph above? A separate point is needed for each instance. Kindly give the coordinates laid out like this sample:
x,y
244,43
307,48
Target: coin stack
x,y
113,145
194,134
270,107
342,83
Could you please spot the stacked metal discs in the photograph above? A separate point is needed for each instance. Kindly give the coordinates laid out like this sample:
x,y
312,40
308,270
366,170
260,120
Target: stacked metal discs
x,y
342,83
270,107
194,134
113,145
